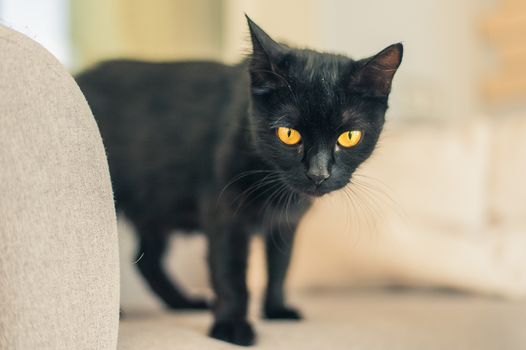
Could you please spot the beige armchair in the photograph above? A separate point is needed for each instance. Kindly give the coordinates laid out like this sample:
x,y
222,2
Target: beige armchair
x,y
59,270
59,273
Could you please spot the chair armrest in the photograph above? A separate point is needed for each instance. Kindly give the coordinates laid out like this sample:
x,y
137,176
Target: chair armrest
x,y
59,277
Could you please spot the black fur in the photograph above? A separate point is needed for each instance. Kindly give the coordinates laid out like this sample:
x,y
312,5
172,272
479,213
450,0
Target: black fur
x,y
192,146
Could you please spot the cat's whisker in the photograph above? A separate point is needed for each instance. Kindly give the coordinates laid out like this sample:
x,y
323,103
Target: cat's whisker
x,y
367,181
272,204
371,199
383,191
271,184
364,216
371,213
277,209
357,211
333,199
356,216
376,202
269,199
382,196
348,212
270,180
287,201
237,178
272,209
242,198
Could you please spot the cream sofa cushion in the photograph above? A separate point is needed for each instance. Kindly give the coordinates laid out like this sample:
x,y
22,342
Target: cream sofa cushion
x,y
350,321
507,180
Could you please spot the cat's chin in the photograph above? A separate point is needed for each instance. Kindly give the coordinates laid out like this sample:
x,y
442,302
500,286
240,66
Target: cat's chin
x,y
311,191
319,191
315,192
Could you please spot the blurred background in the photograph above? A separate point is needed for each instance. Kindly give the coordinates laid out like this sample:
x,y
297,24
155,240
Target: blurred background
x,y
443,201
467,53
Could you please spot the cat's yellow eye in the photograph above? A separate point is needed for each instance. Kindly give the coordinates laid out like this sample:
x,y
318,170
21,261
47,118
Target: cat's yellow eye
x,y
289,136
350,138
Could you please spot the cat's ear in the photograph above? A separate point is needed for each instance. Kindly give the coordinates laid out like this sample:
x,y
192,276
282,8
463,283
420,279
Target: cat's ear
x,y
376,73
266,55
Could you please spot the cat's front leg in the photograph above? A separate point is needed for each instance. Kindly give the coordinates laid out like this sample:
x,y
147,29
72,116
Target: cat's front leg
x,y
279,239
227,258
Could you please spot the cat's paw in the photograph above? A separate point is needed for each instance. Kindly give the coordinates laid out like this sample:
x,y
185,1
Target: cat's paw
x,y
236,332
188,304
282,313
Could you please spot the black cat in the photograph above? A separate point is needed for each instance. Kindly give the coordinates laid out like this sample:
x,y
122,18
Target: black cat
x,y
230,150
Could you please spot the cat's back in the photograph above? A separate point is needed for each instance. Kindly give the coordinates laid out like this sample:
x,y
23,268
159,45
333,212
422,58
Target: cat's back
x,y
138,90
177,105
181,103
161,122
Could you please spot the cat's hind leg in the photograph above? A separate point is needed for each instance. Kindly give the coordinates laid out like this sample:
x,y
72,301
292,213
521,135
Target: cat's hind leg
x,y
150,264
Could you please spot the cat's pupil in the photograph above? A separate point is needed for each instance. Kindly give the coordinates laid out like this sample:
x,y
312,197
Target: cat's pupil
x,y
289,132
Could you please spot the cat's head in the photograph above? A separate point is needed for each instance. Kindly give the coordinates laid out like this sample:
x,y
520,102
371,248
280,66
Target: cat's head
x,y
315,117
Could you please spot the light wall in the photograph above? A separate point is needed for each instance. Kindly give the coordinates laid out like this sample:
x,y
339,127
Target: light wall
x,y
444,57
46,21
149,30
438,78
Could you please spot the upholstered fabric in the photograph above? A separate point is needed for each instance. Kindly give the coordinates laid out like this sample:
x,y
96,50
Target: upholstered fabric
x,y
365,320
58,242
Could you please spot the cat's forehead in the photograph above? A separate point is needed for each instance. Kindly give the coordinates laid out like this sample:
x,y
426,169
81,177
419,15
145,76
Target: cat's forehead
x,y
317,68
316,80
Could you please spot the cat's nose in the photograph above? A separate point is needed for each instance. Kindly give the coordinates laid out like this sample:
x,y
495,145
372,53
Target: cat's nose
x,y
319,165
318,175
